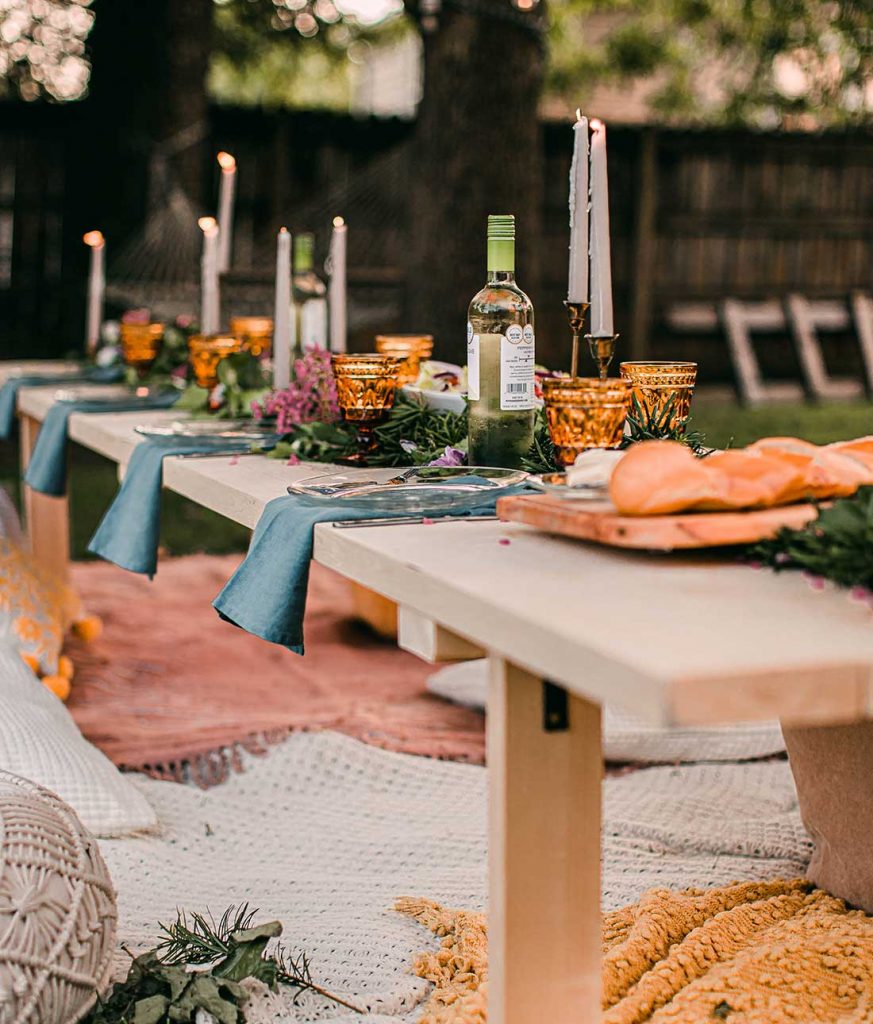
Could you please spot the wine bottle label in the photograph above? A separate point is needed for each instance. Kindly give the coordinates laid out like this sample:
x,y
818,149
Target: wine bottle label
x,y
517,368
313,324
472,364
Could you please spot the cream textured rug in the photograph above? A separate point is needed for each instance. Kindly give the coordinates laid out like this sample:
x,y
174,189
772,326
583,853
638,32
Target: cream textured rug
x,y
325,833
625,736
753,953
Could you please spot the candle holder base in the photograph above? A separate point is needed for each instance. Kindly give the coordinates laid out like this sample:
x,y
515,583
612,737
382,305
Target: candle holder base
x,y
576,312
602,351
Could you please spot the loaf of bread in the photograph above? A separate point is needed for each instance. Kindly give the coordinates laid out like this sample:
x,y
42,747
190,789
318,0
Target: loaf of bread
x,y
662,477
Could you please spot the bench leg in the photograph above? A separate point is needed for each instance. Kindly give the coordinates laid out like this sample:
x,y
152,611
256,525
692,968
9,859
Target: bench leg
x,y
47,518
545,769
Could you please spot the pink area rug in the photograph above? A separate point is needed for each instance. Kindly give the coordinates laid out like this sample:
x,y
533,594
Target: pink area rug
x,y
171,689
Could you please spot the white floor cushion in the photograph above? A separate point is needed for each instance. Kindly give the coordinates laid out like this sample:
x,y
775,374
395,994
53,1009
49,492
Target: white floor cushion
x,y
40,742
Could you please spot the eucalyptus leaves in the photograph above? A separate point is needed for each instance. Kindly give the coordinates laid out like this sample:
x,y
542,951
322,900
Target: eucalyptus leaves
x,y
196,972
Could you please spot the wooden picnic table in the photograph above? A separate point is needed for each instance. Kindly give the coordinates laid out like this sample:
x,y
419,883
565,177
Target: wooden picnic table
x,y
567,627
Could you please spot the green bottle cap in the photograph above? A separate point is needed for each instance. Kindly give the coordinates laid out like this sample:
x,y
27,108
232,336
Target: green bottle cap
x,y
501,225
501,242
304,247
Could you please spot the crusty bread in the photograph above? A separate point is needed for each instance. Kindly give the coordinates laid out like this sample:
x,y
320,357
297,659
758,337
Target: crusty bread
x,y
661,477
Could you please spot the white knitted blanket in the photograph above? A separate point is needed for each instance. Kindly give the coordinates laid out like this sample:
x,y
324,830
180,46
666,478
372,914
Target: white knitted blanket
x,y
627,737
324,833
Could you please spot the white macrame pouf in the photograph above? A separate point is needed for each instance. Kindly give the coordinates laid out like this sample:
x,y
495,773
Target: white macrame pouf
x,y
57,909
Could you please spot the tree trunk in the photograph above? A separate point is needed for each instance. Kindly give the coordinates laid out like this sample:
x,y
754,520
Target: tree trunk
x,y
477,150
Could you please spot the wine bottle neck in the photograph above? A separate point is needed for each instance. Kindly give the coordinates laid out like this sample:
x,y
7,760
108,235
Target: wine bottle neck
x,y
501,256
501,277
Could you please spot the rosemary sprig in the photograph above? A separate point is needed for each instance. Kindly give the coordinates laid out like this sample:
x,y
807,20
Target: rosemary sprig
x,y
654,425
541,455
838,545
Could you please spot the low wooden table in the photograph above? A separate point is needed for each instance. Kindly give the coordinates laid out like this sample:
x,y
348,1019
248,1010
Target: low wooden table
x,y
567,627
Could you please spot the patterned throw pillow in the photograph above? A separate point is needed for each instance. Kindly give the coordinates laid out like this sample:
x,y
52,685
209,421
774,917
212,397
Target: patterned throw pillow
x,y
37,610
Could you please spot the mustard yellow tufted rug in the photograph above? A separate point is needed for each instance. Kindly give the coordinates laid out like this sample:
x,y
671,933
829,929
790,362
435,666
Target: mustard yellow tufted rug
x,y
752,953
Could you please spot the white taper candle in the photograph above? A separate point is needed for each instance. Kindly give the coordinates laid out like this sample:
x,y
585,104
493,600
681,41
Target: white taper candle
x,y
226,197
96,289
282,313
210,302
601,269
337,288
577,286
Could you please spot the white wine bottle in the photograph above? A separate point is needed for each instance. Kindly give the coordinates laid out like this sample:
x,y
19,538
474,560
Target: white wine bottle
x,y
309,298
500,358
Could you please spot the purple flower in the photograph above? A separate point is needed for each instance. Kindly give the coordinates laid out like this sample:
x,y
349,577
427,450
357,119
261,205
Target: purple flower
x,y
450,457
310,397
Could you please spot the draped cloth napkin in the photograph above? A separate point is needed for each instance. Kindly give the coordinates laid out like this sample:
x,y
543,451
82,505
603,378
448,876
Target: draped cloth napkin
x,y
129,531
10,388
47,469
267,594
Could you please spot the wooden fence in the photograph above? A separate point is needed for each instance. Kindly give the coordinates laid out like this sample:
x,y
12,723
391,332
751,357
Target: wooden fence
x,y
697,217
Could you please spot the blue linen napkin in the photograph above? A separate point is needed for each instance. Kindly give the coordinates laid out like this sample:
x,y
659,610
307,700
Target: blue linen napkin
x,y
10,388
47,469
129,531
267,593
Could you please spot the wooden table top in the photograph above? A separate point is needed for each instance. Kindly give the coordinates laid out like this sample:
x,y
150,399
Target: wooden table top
x,y
685,639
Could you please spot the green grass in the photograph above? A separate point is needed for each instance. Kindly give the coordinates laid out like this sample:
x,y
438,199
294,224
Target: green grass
x,y
726,423
185,527
188,528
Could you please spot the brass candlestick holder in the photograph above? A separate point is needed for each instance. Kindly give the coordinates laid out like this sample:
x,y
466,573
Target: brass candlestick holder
x,y
576,312
602,350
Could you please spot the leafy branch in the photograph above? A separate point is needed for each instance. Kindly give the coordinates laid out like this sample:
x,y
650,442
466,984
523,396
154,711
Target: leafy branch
x,y
838,545
160,988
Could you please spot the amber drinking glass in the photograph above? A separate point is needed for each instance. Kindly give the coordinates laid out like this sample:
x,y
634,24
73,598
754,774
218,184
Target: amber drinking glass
x,y
366,386
657,384
583,413
410,349
205,352
140,345
254,332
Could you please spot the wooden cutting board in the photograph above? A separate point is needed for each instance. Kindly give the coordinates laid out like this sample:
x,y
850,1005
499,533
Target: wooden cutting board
x,y
598,521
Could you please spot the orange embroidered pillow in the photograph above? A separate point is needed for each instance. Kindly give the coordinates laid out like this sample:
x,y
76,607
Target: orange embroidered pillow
x,y
36,610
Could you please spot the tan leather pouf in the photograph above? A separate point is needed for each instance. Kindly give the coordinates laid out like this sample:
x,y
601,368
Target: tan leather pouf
x,y
833,770
57,909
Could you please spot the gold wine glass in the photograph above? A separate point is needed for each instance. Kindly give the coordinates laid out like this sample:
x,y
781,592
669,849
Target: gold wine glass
x,y
410,349
366,385
141,344
254,332
657,384
205,352
583,413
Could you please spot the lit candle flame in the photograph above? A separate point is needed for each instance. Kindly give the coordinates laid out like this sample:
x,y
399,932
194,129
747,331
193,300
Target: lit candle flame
x,y
94,239
578,114
596,124
227,161
338,222
207,225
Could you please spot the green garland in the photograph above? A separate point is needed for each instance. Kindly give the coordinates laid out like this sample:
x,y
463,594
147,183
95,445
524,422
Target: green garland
x,y
173,354
838,545
242,380
655,425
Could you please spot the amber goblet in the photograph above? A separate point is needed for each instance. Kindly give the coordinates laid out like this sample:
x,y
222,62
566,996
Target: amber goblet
x,y
657,385
205,352
141,344
410,349
366,385
254,332
583,413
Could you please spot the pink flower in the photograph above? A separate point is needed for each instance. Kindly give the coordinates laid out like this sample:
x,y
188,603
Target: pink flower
x,y
450,457
310,397
816,582
293,460
504,540
136,316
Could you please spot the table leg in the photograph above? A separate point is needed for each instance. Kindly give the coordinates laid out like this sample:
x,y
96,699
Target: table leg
x,y
545,769
47,518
